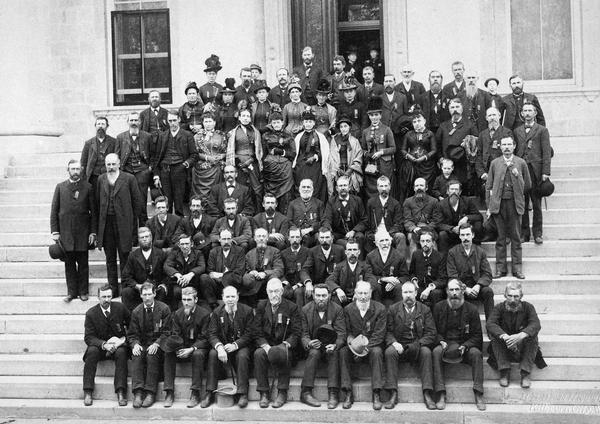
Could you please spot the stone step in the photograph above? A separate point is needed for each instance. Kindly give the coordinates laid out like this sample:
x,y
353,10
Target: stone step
x,y
27,183
566,217
569,231
570,157
42,286
54,269
564,266
21,170
37,254
31,210
361,412
28,197
574,144
576,185
574,200
578,171
550,248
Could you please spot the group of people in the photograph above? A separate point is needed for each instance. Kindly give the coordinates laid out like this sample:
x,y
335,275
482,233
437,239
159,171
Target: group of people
x,y
327,219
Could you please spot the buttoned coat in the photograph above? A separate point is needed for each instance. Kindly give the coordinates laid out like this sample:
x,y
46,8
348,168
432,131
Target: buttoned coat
x,y
241,230
373,325
125,141
279,224
495,182
161,315
89,154
176,263
428,104
449,137
413,94
343,277
488,148
286,325
394,113
186,226
146,117
355,211
98,328
446,218
272,265
137,271
242,326
335,318
218,193
392,214
163,236
292,264
470,324
235,262
394,266
184,143
418,213
503,321
193,329
420,268
421,323
364,94
458,265
510,118
317,268
306,215
534,148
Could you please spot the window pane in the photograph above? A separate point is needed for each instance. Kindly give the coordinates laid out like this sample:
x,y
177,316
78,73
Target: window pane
x,y
158,74
358,10
526,38
156,33
556,30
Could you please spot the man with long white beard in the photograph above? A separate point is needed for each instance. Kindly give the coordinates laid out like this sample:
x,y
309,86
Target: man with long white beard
x,y
120,203
412,89
94,153
475,101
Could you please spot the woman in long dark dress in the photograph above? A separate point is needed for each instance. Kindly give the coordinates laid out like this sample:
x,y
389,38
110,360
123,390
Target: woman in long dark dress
x,y
279,150
212,147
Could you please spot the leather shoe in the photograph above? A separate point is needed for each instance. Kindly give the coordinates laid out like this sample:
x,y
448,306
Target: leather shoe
x,y
525,381
84,297
149,400
67,299
281,399
207,400
87,398
194,399
169,398
348,399
479,402
377,405
519,275
333,401
539,240
243,401
499,274
441,403
138,399
308,398
393,400
429,403
504,379
264,400
121,398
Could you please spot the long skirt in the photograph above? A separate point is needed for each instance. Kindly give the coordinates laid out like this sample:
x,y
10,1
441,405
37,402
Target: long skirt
x,y
203,179
277,176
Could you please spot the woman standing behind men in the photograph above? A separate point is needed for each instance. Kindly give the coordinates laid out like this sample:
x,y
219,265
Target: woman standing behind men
x,y
292,111
345,158
212,147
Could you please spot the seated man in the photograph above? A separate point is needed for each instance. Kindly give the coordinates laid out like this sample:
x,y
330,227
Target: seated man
x,y
262,264
306,213
146,332
230,335
345,215
230,188
468,263
346,275
513,329
278,326
190,323
418,214
323,335
365,327
428,270
237,224
410,335
197,225
293,259
144,265
276,223
105,326
163,225
453,211
386,213
459,340
389,268
226,266
184,266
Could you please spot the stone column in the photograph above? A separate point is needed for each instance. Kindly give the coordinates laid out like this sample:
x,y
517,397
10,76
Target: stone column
x,y
278,38
395,42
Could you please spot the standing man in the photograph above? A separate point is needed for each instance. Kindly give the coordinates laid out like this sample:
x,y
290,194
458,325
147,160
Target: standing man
x,y
244,90
370,88
508,181
73,222
514,105
413,90
476,101
434,103
153,119
175,154
455,88
279,93
105,330
133,149
394,112
309,76
94,153
488,143
306,213
120,203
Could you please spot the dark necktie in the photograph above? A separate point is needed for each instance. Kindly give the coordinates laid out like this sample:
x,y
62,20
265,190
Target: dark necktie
x,y
107,314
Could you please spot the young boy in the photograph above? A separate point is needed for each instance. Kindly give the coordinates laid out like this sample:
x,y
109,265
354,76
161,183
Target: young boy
x,y
440,185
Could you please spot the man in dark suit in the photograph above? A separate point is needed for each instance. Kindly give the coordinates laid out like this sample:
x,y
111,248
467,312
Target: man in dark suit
x,y
175,154
459,339
383,211
418,213
533,145
237,224
279,93
230,333
514,104
434,103
133,148
278,327
366,323
370,88
428,271
352,109
410,335
323,335
306,213
488,142
153,119
94,152
105,330
163,225
190,322
453,211
457,87
413,90
144,265
389,268
276,223
230,189
120,203
262,264
394,112
293,259
148,329
244,90
73,223
309,76
475,101
183,267
197,225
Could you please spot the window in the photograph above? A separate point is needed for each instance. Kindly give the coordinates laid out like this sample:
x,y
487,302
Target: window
x,y
542,42
141,56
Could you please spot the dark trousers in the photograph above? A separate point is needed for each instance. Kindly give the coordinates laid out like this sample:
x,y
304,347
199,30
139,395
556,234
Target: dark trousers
x,y
379,292
283,202
197,358
111,247
240,360
536,205
508,224
252,179
348,361
145,370
130,296
77,273
525,354
421,356
211,289
261,371
486,296
311,364
296,296
472,357
448,239
93,355
143,179
173,179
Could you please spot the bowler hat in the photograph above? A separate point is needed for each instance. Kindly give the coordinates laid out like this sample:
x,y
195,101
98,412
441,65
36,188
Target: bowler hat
x,y
345,119
257,67
199,239
278,354
229,86
491,79
261,85
545,188
171,343
452,354
358,346
375,105
326,334
323,87
213,64
191,84
57,251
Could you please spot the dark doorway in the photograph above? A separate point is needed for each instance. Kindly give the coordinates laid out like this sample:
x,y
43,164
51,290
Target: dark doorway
x,y
363,41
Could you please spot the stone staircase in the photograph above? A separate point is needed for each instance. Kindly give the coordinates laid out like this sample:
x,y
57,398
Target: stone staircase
x,y
41,338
